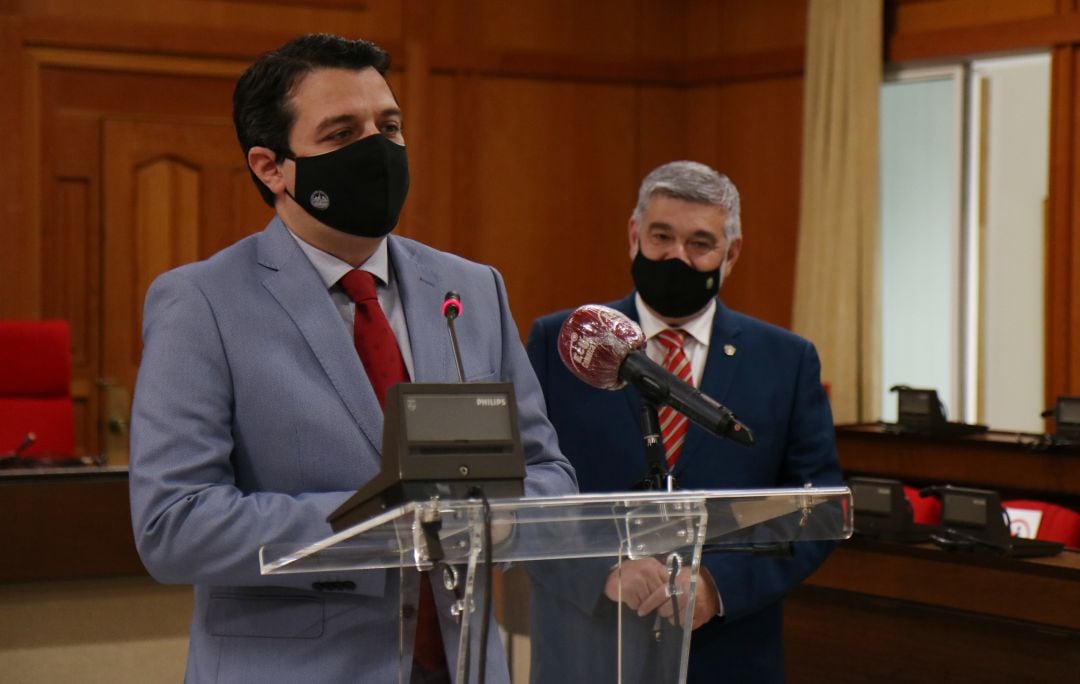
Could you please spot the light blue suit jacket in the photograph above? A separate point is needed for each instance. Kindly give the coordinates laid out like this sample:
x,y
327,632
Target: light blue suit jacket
x,y
253,419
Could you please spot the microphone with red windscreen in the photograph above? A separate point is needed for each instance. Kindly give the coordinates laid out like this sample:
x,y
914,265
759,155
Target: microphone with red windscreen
x,y
605,349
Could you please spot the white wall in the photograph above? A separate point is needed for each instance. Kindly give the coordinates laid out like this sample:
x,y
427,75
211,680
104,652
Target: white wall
x,y
1017,144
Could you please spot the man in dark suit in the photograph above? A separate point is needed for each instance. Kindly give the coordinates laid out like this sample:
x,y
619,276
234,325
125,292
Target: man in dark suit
x,y
258,406
685,238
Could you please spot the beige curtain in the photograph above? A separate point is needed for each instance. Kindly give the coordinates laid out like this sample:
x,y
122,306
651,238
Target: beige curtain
x,y
836,274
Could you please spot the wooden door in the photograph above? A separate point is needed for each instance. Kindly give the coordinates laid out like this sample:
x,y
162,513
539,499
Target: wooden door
x,y
174,192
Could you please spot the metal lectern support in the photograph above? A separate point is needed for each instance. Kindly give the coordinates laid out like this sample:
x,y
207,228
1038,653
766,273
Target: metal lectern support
x,y
468,602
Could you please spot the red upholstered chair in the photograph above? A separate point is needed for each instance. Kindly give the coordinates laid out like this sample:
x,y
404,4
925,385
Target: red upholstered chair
x,y
926,510
35,388
1058,524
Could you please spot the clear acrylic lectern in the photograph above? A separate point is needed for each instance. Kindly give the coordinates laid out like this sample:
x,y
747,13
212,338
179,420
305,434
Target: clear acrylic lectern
x,y
568,546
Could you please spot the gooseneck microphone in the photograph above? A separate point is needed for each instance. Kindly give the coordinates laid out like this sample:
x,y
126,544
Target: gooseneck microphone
x,y
14,457
605,349
451,309
28,441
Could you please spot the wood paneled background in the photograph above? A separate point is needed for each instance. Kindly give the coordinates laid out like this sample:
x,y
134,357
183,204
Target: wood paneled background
x,y
529,124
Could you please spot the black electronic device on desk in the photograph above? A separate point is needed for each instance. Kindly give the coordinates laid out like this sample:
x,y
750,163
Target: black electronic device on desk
x,y
920,411
882,511
442,440
1067,420
975,520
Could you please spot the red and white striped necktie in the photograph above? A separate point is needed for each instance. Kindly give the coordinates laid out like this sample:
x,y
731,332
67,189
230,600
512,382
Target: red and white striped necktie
x,y
672,423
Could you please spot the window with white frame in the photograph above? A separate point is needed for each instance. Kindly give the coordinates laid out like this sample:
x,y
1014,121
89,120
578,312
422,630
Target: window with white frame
x,y
964,162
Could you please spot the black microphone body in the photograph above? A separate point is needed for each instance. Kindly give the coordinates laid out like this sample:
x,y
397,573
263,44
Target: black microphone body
x,y
660,386
604,349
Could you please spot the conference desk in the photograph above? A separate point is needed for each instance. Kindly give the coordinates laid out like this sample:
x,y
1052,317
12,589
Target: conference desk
x,y
891,612
66,523
1015,464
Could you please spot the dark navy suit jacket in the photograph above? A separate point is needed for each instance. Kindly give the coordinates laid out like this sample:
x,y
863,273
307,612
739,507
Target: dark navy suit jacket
x,y
772,384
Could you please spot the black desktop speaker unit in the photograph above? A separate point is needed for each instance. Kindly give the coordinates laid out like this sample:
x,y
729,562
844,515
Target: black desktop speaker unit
x,y
445,440
1067,419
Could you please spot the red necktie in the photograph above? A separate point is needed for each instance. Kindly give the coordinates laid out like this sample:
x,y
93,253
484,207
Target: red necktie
x,y
381,356
672,423
374,339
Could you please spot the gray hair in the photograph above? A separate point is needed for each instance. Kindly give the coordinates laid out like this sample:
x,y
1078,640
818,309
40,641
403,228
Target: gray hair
x,y
693,182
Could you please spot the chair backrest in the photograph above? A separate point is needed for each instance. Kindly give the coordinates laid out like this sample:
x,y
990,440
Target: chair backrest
x,y
925,510
35,387
1057,524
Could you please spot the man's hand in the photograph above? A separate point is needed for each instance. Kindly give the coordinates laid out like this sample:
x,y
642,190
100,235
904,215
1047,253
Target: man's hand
x,y
638,580
644,589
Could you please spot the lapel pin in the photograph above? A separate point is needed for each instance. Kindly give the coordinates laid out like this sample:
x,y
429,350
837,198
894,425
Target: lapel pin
x,y
729,349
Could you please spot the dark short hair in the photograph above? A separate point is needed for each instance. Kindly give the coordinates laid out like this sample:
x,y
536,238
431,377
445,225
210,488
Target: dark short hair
x,y
262,114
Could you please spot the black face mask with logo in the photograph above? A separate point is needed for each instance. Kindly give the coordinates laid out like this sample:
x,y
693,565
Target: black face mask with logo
x,y
358,189
672,288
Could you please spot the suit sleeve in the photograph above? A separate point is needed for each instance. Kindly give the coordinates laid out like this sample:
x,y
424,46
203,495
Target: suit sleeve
x,y
192,524
749,583
547,471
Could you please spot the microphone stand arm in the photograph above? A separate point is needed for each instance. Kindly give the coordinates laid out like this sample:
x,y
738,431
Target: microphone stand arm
x,y
658,477
454,345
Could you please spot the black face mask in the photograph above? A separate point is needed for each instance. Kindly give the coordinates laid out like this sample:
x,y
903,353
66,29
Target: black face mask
x,y
673,289
358,189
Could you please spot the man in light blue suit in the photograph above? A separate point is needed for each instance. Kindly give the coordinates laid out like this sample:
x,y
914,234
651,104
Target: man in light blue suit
x,y
254,417
685,237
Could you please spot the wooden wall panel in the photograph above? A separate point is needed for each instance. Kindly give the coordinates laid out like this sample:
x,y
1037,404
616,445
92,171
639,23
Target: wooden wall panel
x,y
547,189
207,27
920,30
934,15
663,130
167,203
1061,210
1067,276
752,132
601,30
70,253
724,27
20,295
72,261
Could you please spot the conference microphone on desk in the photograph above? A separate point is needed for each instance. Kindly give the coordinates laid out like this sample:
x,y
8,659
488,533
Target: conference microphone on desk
x,y
14,457
28,441
605,349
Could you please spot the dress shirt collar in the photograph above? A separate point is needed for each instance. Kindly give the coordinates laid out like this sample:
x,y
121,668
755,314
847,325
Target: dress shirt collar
x,y
331,269
698,328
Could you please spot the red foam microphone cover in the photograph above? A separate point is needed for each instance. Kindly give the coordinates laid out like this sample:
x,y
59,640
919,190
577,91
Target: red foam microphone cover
x,y
593,342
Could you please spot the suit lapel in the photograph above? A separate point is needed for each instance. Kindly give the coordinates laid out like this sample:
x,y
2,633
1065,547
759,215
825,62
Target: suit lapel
x,y
296,285
716,381
421,299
